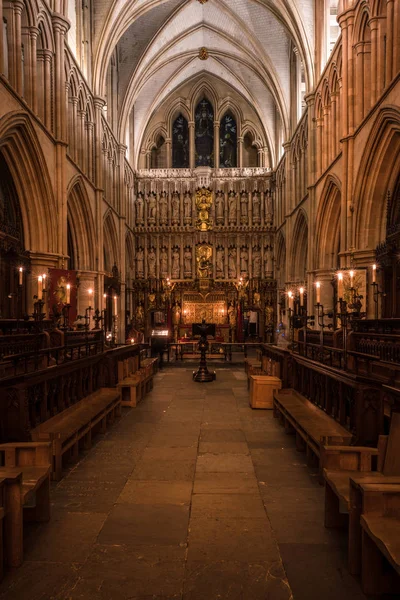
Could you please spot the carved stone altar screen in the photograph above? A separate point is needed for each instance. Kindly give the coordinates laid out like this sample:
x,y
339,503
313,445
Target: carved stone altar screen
x,y
211,307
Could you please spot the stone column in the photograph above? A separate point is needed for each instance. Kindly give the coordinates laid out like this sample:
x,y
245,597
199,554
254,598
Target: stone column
x,y
359,83
168,143
373,23
389,41
240,152
2,58
18,7
82,150
192,146
99,104
216,144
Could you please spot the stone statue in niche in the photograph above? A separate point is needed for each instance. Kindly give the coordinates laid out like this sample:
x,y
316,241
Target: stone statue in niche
x,y
163,262
244,260
256,262
139,209
220,262
244,208
269,211
232,207
187,262
219,208
269,315
187,208
163,208
140,263
152,209
151,262
175,263
139,315
256,208
268,261
232,315
232,263
175,208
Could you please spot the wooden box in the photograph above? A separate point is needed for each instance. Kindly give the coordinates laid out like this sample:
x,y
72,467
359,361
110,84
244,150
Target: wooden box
x,y
262,388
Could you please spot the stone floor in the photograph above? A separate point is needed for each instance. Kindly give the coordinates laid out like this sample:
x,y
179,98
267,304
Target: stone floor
x,y
193,496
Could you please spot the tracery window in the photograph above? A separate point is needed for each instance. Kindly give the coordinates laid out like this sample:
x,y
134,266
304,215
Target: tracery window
x,y
228,142
204,134
180,143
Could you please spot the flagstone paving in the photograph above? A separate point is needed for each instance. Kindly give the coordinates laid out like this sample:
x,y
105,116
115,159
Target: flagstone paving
x,y
191,496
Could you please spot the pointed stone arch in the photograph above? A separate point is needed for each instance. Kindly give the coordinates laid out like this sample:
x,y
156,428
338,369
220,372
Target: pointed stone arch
x,y
378,172
327,232
299,249
25,160
111,253
81,225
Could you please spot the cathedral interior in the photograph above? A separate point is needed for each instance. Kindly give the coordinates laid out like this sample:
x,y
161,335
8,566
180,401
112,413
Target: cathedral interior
x,y
199,299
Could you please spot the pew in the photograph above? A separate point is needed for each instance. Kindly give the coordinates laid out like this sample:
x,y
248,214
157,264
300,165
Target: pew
x,y
24,492
137,383
313,428
347,467
380,525
66,430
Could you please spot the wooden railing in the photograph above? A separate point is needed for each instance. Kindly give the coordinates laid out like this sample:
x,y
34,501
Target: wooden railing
x,y
30,399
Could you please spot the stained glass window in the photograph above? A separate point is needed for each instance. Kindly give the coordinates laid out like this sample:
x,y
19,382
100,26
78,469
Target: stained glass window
x,y
180,143
204,131
228,142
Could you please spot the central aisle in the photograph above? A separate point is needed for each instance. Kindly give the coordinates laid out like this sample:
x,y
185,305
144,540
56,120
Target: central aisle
x,y
191,496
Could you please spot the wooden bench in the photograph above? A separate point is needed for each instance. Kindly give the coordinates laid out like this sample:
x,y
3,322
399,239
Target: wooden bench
x,y
24,493
127,367
131,389
347,467
313,428
67,429
252,367
380,525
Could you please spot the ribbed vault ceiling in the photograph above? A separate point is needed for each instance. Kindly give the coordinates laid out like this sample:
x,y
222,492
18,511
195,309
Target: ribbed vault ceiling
x,y
158,41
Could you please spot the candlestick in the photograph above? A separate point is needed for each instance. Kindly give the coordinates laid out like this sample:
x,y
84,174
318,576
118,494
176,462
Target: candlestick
x,y
301,290
351,278
90,292
20,275
318,289
40,287
340,285
373,273
68,294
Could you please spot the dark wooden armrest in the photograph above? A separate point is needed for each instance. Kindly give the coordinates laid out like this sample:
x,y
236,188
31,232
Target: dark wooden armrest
x,y
347,458
381,498
26,454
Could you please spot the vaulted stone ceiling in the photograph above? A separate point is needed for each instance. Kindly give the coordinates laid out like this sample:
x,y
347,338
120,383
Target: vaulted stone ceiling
x,y
158,41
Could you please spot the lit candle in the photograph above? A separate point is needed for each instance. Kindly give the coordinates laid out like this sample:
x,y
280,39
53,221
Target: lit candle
x,y
290,300
351,278
115,305
301,290
340,285
132,341
105,300
40,287
373,273
44,281
318,288
90,292
20,275
68,293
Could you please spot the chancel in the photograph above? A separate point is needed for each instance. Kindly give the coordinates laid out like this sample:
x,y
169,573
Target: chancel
x,y
199,191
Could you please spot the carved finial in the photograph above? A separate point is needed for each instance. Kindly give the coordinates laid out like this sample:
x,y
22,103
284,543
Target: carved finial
x,y
202,1
203,54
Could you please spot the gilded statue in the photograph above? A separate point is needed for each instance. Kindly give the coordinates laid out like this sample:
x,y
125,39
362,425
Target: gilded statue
x,y
203,256
203,205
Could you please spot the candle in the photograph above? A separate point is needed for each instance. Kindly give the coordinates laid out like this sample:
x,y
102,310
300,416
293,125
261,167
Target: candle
x,y
40,287
90,292
373,273
68,293
301,290
290,300
351,278
340,285
115,305
318,288
44,281
20,275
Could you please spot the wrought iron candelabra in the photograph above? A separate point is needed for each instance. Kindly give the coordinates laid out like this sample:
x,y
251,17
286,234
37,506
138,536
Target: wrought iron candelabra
x,y
376,293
